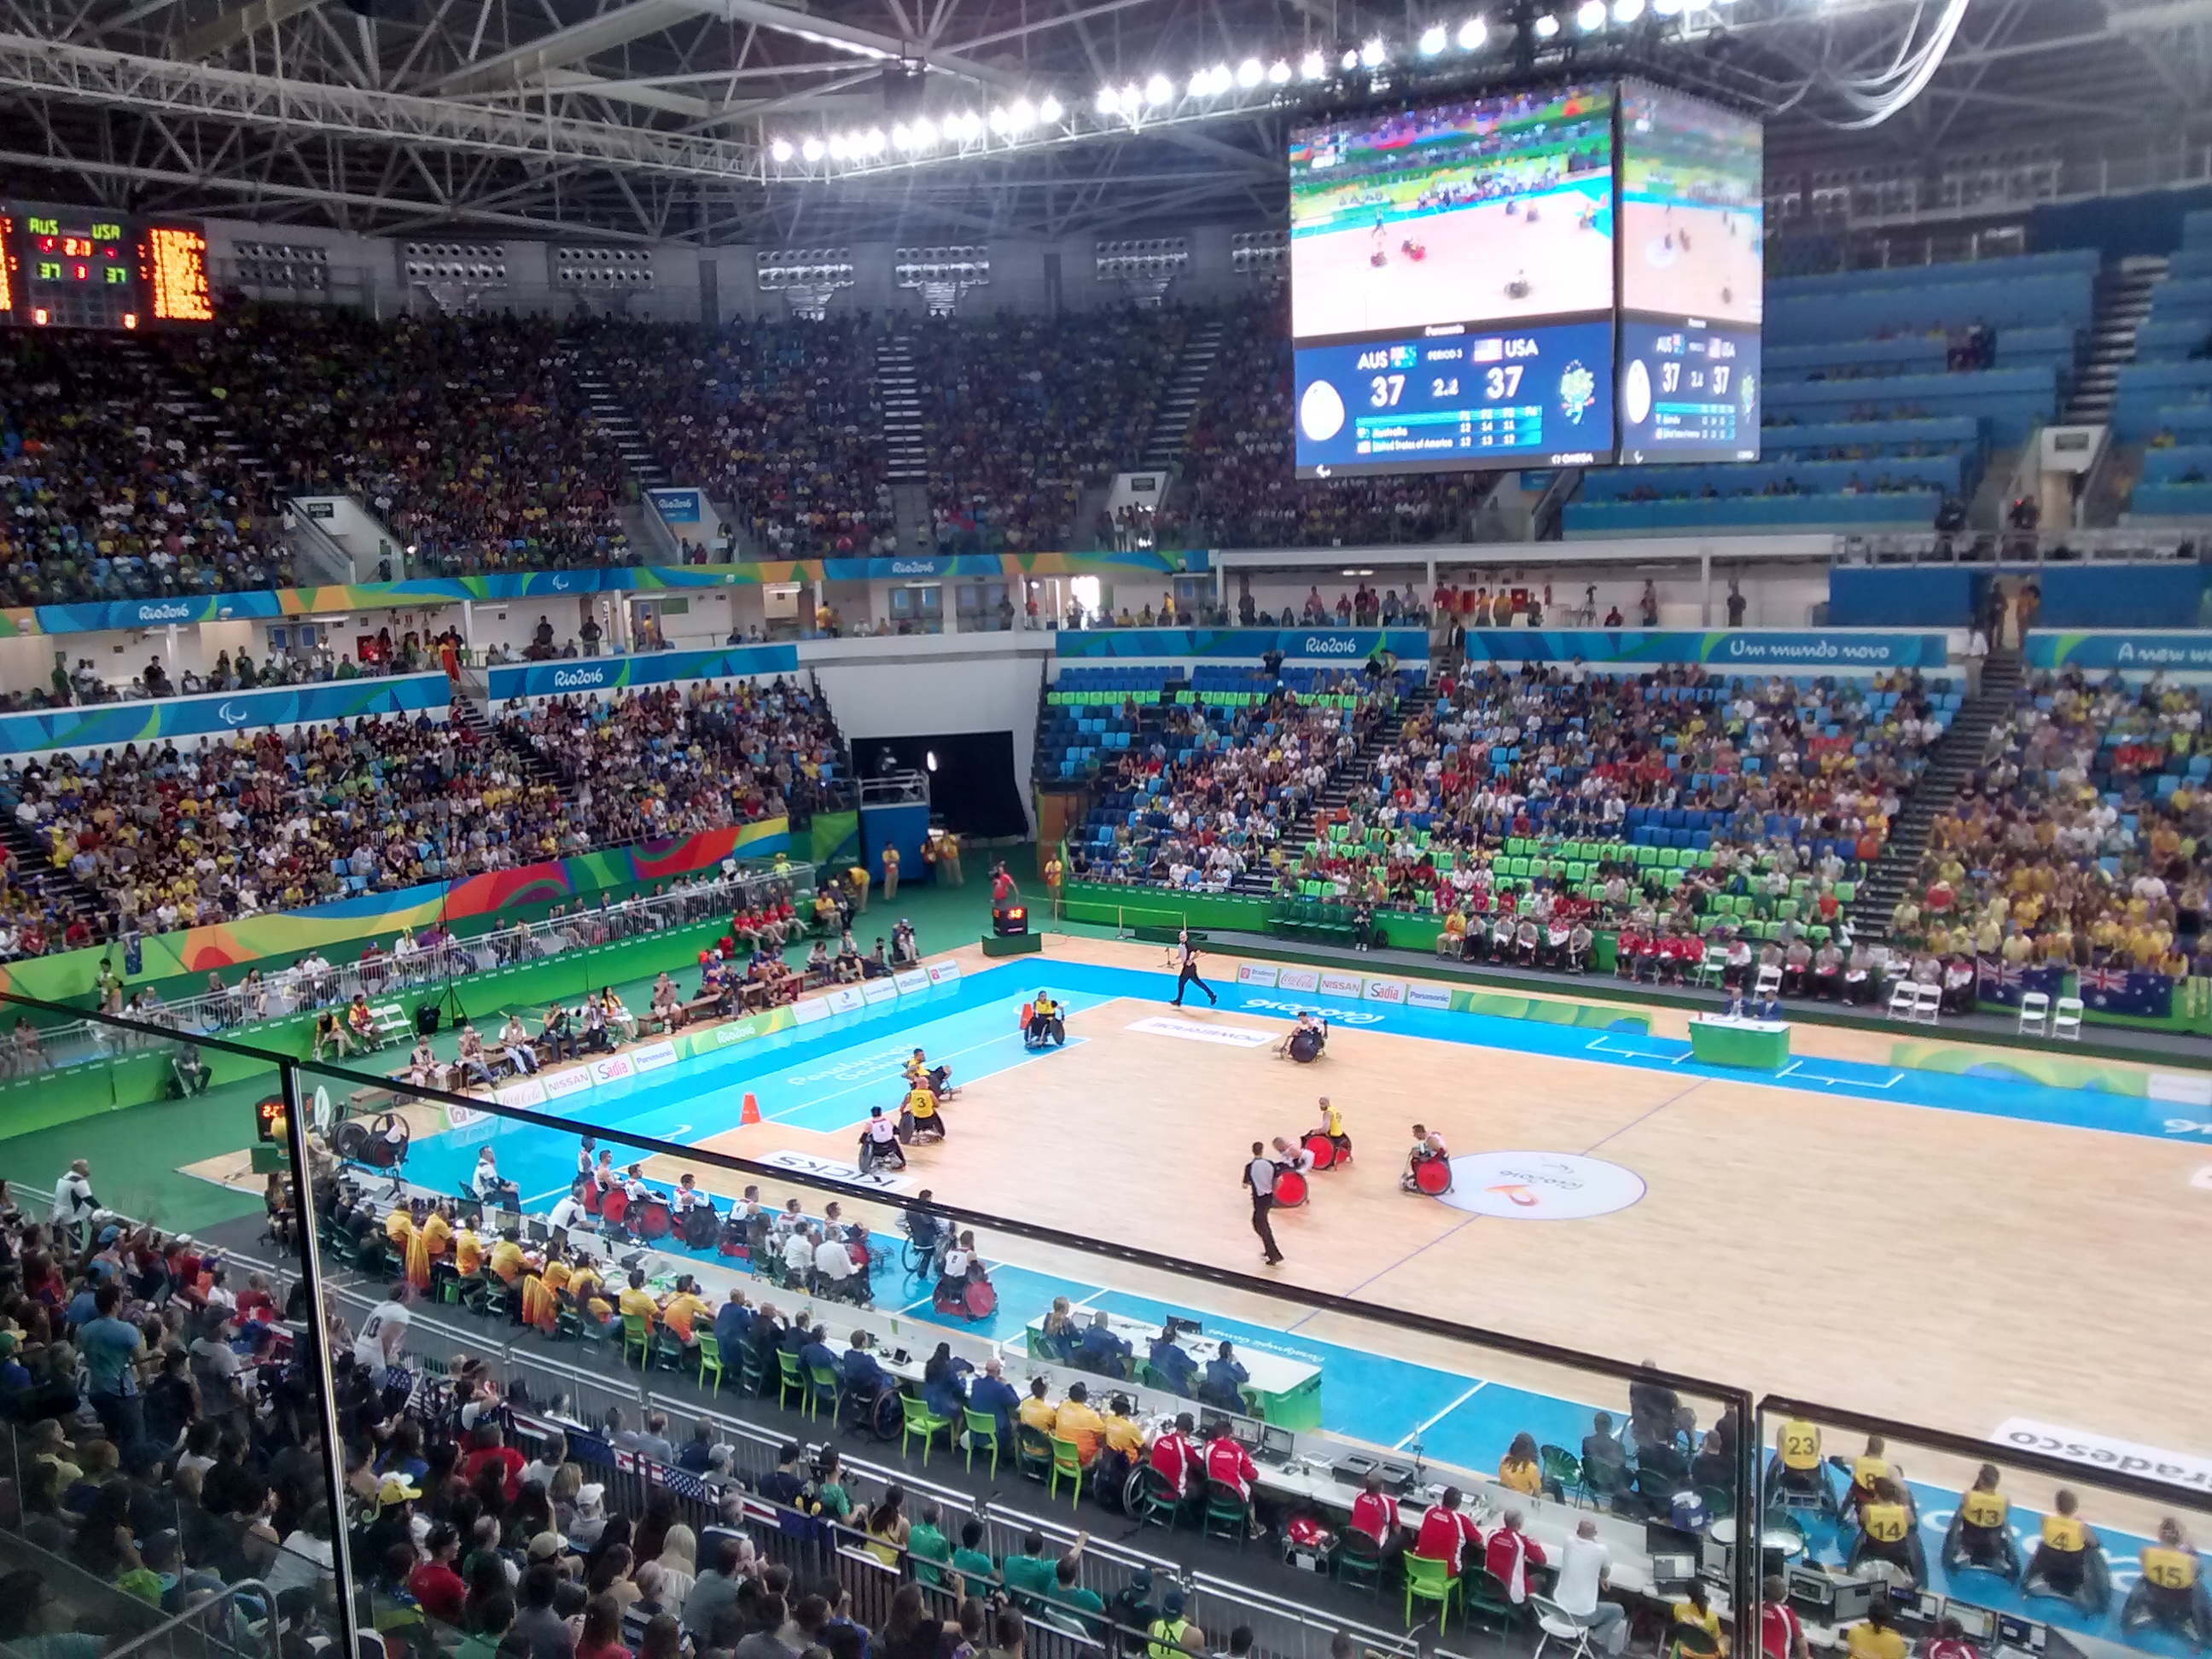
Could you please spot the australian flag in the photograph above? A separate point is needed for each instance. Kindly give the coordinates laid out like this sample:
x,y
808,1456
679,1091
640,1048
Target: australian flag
x,y
2005,982
2129,992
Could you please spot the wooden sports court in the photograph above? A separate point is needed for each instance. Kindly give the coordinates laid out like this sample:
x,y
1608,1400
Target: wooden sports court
x,y
1951,1267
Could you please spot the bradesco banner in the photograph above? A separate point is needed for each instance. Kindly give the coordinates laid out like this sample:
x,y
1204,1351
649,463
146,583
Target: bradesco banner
x,y
1731,648
106,725
575,674
1245,644
2123,649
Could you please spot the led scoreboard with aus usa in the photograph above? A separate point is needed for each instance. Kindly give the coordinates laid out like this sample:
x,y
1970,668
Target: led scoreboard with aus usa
x,y
88,268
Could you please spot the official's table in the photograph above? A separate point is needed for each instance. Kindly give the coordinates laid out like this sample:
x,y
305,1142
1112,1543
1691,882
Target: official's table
x,y
1281,1390
1761,1045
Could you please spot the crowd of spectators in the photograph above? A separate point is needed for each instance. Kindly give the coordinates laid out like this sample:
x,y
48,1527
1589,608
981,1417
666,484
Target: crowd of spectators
x,y
1502,754
781,416
1238,487
2080,837
466,436
112,488
168,1440
226,828
1216,791
1020,413
670,762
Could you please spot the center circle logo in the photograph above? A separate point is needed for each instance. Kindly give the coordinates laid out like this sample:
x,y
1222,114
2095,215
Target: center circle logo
x,y
1541,1186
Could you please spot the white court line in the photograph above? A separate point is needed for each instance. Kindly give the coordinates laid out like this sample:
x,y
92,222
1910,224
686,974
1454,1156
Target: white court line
x,y
1598,1046
1424,1428
1889,1082
878,1080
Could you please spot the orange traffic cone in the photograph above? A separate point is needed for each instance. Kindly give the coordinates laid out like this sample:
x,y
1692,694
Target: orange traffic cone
x,y
751,1114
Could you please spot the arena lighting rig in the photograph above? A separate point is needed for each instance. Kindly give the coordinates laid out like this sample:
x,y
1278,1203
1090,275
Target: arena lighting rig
x,y
1440,54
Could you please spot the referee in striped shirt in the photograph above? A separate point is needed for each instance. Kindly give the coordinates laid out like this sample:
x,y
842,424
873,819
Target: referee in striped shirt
x,y
1260,1176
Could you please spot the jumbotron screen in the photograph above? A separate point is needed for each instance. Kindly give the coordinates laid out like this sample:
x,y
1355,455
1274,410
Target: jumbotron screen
x,y
1692,271
1452,284
65,267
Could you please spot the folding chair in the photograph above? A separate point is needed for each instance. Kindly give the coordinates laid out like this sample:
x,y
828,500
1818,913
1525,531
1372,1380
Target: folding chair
x,y
2034,1014
1903,1000
1929,1009
2066,1020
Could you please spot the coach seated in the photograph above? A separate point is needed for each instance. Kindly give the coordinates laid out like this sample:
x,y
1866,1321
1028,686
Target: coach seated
x,y
1980,1533
2070,1559
1098,1350
1225,1378
2170,1591
1451,939
1172,1364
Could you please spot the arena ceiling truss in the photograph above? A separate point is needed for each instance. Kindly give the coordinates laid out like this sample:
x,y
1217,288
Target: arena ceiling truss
x,y
765,121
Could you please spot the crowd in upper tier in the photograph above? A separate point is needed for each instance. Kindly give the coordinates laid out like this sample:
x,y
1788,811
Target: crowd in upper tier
x,y
2082,837
170,835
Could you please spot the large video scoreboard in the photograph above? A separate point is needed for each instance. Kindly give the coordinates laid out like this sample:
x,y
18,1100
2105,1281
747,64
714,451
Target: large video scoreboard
x,y
1563,275
88,268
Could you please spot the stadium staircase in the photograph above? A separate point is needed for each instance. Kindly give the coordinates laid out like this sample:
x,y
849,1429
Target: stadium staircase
x,y
2124,297
1260,882
1179,402
902,396
610,418
1949,764
471,714
36,874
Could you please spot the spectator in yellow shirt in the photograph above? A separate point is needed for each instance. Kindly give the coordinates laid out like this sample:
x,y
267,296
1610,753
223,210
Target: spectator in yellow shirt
x,y
637,1301
1520,1469
1076,1421
1037,1412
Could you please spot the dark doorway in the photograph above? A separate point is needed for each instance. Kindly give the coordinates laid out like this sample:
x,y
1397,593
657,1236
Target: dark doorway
x,y
972,787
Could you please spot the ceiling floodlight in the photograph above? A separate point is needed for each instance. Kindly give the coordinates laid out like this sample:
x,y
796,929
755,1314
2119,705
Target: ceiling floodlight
x,y
1048,109
1374,54
1312,68
1158,90
1432,39
1472,33
813,149
1250,74
780,149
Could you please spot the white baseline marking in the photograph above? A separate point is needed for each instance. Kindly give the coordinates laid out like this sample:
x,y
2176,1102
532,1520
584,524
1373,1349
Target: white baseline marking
x,y
1421,1429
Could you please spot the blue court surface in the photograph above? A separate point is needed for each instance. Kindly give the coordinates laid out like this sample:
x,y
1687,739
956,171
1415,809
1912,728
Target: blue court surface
x,y
825,1076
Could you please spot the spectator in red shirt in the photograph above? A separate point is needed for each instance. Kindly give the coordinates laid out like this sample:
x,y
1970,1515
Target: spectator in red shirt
x,y
488,1448
1447,1532
435,1584
1375,1513
1514,1558
1781,1635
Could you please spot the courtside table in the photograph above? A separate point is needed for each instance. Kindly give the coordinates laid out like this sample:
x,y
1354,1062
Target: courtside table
x,y
1759,1045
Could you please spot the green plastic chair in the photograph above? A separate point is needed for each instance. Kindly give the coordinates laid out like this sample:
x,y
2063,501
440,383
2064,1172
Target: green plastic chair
x,y
1428,1580
916,1418
1157,1503
710,1359
752,1374
1359,1561
1482,1600
1032,1452
1227,1515
825,1380
637,1333
1562,1471
791,1378
1067,1463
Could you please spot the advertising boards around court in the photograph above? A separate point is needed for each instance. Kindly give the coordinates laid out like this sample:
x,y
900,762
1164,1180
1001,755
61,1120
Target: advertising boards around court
x,y
811,1011
1386,990
612,1069
1333,984
2103,1451
576,675
1298,979
528,1091
1257,973
652,1056
2130,651
844,1000
1437,997
911,981
878,990
561,1084
943,972
1746,650
1351,646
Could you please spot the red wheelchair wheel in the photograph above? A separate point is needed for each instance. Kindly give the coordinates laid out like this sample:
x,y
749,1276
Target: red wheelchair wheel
x,y
653,1220
1290,1189
1433,1175
1323,1149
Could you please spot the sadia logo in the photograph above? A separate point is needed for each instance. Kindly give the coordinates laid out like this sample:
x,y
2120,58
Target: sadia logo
x,y
1541,1186
1319,646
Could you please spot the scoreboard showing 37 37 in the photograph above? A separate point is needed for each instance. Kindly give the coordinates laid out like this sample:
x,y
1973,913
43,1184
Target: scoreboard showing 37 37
x,y
89,268
1566,276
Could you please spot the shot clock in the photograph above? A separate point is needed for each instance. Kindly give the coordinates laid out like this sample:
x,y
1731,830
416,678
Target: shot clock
x,y
73,268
